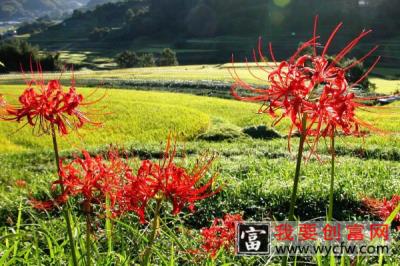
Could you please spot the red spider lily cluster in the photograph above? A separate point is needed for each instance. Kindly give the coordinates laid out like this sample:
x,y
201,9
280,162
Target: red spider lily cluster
x,y
46,105
221,234
166,181
174,183
383,208
95,178
311,87
91,177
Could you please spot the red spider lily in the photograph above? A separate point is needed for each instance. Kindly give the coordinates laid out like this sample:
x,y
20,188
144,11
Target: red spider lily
x,y
289,90
168,181
175,183
135,194
388,206
91,177
43,105
335,111
294,87
383,208
221,234
48,204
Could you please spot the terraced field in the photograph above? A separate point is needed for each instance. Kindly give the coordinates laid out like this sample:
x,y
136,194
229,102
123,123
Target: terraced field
x,y
256,173
219,73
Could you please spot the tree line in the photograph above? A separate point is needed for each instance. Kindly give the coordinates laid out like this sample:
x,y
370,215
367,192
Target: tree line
x,y
18,54
129,58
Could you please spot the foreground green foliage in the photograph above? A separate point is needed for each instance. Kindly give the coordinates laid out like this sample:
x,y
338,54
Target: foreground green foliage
x,y
257,176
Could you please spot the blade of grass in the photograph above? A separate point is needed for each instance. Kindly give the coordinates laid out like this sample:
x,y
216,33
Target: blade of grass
x,y
172,258
4,257
168,232
18,227
332,260
108,226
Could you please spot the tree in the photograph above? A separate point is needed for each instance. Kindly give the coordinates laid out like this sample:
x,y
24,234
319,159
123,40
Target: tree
x,y
127,59
50,61
168,58
201,21
355,73
131,59
147,60
17,53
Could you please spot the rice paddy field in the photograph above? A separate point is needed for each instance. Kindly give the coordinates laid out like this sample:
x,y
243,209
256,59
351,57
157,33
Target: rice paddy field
x,y
255,170
218,73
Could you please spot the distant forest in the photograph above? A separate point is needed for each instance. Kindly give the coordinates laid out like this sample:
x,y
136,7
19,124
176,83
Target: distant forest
x,y
285,22
29,9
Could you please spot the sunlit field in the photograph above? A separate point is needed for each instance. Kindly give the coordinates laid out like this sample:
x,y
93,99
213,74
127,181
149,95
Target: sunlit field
x,y
220,73
147,117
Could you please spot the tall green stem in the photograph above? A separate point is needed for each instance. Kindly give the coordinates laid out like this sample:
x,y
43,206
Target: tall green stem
x,y
67,214
88,232
298,167
153,234
330,210
297,174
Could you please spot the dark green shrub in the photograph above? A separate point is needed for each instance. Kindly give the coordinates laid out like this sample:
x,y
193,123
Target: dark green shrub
x,y
127,59
168,58
221,131
261,132
355,73
147,60
220,134
131,59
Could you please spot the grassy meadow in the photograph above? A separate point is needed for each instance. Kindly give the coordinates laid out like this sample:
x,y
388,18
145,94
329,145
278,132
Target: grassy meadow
x,y
256,173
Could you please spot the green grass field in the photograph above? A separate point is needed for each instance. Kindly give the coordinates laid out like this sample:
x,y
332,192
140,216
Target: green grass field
x,y
138,116
257,174
218,73
386,86
149,116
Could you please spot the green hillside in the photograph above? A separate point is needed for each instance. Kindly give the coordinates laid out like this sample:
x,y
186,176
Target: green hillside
x,y
94,3
29,9
209,31
81,23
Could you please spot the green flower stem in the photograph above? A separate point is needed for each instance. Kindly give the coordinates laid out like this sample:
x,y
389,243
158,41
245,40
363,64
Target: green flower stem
x,y
297,174
88,233
153,234
298,167
66,211
330,210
